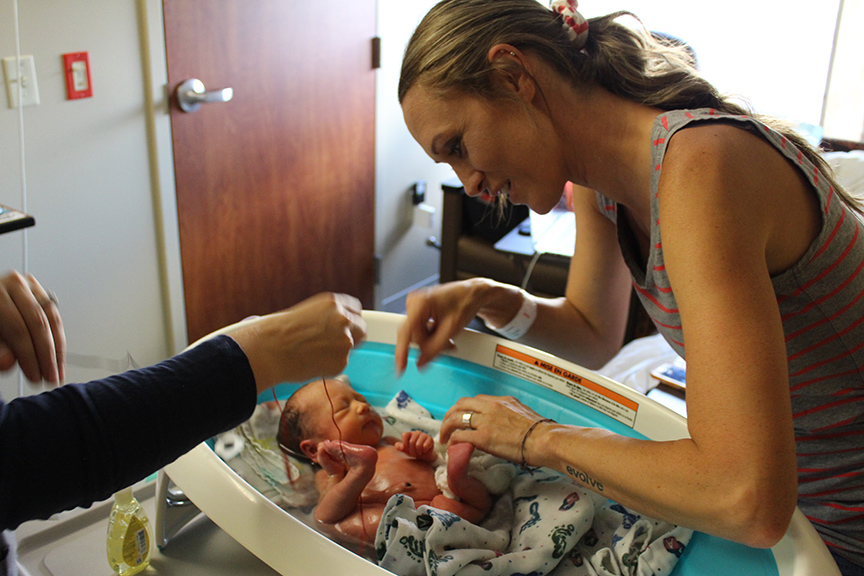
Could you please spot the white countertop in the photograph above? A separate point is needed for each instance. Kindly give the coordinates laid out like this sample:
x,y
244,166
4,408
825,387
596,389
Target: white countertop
x,y
74,543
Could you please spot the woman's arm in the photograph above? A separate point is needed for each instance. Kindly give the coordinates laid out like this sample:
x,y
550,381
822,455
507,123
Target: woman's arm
x,y
586,325
735,477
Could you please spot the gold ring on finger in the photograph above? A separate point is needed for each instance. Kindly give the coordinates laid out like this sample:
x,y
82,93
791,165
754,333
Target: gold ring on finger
x,y
466,420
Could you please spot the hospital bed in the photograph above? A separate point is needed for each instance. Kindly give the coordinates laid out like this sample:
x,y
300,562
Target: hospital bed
x,y
480,363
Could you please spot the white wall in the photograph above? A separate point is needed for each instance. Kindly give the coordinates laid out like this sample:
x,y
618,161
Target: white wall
x,y
87,181
400,161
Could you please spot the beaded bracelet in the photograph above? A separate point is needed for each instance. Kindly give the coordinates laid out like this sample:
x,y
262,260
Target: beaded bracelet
x,y
525,437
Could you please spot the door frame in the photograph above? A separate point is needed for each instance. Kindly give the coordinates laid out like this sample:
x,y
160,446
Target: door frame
x,y
159,143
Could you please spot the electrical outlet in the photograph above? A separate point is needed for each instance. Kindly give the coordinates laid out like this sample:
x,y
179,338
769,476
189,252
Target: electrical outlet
x,y
418,192
25,73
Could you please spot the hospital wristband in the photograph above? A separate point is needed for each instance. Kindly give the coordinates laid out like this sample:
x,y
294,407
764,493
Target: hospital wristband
x,y
521,323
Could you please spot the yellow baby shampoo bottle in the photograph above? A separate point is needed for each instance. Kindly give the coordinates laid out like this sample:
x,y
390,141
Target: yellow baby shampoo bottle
x,y
129,535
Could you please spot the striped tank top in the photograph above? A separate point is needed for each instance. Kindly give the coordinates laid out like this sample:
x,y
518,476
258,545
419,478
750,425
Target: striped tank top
x,y
821,302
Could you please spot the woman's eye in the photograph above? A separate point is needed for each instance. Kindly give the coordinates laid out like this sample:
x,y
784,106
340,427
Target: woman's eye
x,y
454,147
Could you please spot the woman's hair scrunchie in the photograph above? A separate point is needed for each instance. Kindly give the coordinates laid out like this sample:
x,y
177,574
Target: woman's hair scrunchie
x,y
575,24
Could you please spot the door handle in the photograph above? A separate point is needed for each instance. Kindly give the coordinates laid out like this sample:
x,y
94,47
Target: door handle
x,y
191,94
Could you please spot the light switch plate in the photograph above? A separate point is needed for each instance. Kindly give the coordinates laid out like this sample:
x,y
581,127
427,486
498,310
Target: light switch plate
x,y
25,73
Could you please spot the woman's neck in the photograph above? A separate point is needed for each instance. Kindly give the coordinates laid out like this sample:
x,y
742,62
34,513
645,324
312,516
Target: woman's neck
x,y
608,139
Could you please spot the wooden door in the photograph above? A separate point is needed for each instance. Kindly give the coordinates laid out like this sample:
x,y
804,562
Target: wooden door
x,y
275,189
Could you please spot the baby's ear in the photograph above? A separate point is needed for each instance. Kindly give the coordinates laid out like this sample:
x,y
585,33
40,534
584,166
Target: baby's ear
x,y
309,449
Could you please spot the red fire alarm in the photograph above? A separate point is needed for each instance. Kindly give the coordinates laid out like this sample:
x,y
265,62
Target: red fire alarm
x,y
78,83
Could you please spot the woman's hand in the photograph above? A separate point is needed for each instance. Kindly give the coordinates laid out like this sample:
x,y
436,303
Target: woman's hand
x,y
498,425
31,331
436,315
311,339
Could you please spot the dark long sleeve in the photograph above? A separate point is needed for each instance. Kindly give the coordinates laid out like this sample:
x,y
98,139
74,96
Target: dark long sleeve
x,y
80,443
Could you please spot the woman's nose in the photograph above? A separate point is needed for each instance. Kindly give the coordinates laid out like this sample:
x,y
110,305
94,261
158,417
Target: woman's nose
x,y
472,180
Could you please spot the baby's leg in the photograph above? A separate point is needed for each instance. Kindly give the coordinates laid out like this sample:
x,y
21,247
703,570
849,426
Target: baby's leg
x,y
475,499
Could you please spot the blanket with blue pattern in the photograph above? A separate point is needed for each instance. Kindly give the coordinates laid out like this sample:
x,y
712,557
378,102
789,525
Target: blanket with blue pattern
x,y
544,524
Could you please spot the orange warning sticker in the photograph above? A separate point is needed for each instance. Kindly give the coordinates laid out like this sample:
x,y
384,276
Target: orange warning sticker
x,y
563,381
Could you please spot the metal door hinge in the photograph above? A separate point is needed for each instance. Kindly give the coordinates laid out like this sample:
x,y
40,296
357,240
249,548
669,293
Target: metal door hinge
x,y
376,264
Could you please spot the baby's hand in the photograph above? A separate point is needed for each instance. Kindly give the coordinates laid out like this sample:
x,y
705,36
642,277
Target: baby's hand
x,y
418,445
337,457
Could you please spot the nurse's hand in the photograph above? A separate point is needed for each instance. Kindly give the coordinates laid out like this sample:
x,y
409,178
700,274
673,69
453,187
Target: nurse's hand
x,y
31,331
497,425
309,340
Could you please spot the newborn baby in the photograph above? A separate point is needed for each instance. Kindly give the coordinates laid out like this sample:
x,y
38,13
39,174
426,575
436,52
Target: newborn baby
x,y
333,425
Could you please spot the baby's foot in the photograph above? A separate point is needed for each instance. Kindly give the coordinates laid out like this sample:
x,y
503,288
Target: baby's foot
x,y
335,456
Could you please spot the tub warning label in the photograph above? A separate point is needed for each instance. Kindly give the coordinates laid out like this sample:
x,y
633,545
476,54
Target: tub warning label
x,y
563,381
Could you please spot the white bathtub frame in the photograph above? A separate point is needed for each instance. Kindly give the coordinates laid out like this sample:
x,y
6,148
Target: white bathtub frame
x,y
292,548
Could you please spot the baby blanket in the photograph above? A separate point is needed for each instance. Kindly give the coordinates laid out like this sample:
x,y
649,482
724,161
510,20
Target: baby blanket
x,y
544,524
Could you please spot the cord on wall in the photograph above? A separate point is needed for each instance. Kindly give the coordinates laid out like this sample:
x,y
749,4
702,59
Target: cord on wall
x,y
530,270
25,268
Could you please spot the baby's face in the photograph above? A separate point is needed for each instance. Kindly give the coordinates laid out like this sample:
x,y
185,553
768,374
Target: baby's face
x,y
355,418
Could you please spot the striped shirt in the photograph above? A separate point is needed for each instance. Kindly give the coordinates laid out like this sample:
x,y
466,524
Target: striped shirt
x,y
821,302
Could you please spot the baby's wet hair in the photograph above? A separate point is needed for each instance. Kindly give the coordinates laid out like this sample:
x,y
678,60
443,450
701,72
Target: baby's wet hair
x,y
292,429
293,424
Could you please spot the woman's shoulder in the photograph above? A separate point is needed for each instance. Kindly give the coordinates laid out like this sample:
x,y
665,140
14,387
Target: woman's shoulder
x,y
717,136
727,153
718,171
719,176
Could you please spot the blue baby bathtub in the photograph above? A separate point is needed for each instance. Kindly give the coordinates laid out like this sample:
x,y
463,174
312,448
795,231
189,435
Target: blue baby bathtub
x,y
479,364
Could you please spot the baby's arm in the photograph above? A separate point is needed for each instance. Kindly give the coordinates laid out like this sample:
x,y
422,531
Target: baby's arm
x,y
346,469
418,445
